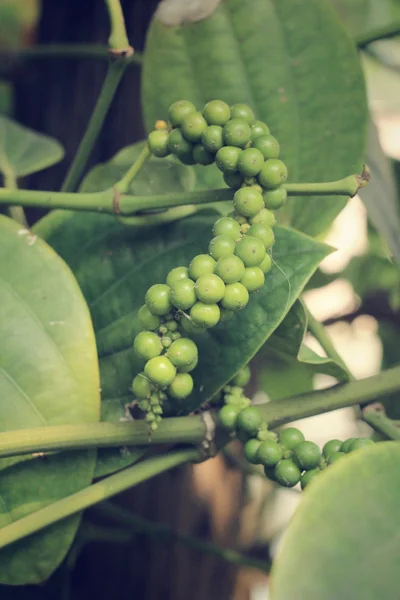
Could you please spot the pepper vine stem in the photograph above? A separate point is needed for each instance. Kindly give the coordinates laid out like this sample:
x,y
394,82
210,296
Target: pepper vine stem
x,y
192,429
164,533
130,205
69,51
119,50
108,487
375,416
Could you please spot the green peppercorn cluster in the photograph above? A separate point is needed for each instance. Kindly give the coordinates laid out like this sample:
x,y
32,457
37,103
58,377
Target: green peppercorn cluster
x,y
287,457
241,146
217,284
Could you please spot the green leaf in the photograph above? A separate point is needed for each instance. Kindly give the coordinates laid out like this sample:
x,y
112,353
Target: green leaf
x,y
370,273
365,17
117,265
293,63
287,345
157,176
343,541
380,196
24,151
48,376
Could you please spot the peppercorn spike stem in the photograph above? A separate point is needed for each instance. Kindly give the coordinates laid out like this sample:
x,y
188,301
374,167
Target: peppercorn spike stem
x,y
349,186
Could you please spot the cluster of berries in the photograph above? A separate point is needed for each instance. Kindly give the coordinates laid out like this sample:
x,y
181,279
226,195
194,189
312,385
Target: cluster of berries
x,y
287,458
215,285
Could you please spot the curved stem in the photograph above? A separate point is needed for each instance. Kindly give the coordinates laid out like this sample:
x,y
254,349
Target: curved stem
x,y
380,33
164,533
118,39
92,495
377,419
192,429
322,336
72,51
113,77
123,184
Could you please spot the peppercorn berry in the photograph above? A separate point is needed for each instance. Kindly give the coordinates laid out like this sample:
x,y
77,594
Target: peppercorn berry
x,y
290,437
230,268
242,111
193,126
265,216
212,139
227,226
200,265
147,345
331,447
242,377
346,445
267,145
158,143
178,145
236,297
228,416
236,132
160,371
258,128
157,299
249,421
182,294
269,453
251,250
250,162
253,279
182,352
248,201
209,288
216,112
181,387
250,450
274,199
147,319
264,233
273,173
179,110
360,443
202,156
227,158
307,477
335,456
307,455
221,245
205,315
266,264
177,274
287,473
141,386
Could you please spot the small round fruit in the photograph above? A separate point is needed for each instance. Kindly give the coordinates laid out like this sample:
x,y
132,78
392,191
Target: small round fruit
x,y
183,294
202,156
273,173
230,268
160,371
331,447
178,145
250,451
290,437
227,226
221,245
228,416
235,298
227,158
249,420
269,453
287,473
179,110
360,443
307,455
233,179
242,377
177,274
307,477
274,199
147,345
212,139
236,132
265,216
209,288
258,128
147,319
251,250
200,265
157,299
181,387
248,201
267,145
182,352
193,126
253,279
250,162
335,456
188,368
242,111
141,386
158,142
346,445
264,233
216,112
205,315
266,264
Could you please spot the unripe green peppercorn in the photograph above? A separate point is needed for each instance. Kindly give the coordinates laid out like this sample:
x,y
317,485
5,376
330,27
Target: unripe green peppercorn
x,y
205,315
177,274
181,387
287,473
212,139
179,110
265,216
264,233
251,250
158,143
160,371
236,132
235,298
249,420
230,268
202,156
147,319
216,112
157,299
253,279
177,144
267,145
193,126
227,226
248,201
307,477
307,455
266,264
250,162
209,288
227,158
182,352
228,416
273,173
141,386
290,437
330,447
258,128
147,344
221,245
269,453
182,294
242,111
241,378
274,199
250,450
200,265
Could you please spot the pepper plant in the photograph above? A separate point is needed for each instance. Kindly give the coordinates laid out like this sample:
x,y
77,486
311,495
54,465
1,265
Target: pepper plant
x,y
135,313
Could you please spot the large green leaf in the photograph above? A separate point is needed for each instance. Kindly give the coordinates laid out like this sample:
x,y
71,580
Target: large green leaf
x,y
24,151
363,18
115,267
343,541
293,63
48,376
